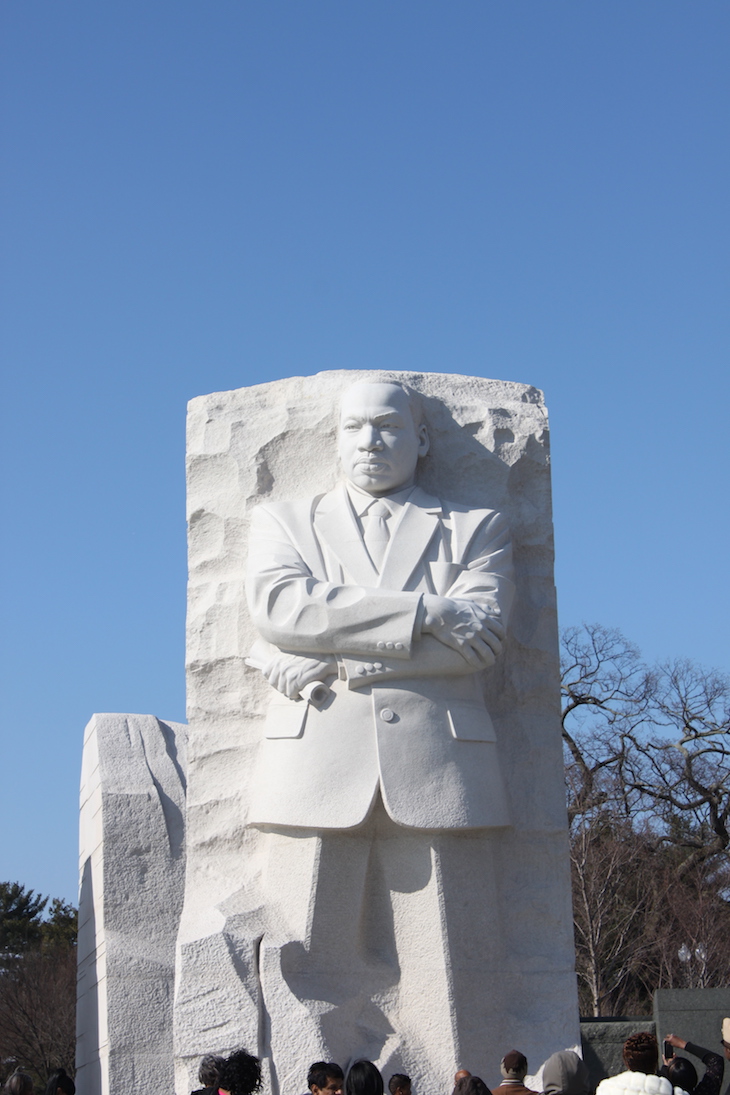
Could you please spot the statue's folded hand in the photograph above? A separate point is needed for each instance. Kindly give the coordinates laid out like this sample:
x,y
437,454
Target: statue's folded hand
x,y
290,673
464,626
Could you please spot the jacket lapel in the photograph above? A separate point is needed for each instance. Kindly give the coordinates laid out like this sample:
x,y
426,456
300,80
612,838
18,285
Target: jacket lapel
x,y
335,523
410,539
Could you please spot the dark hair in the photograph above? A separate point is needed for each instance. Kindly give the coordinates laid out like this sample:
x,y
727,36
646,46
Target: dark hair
x,y
514,1065
322,1071
471,1085
209,1071
398,1079
641,1053
363,1078
240,1073
682,1073
19,1083
60,1079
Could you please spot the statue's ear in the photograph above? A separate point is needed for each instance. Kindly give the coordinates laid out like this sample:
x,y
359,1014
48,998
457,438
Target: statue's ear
x,y
423,440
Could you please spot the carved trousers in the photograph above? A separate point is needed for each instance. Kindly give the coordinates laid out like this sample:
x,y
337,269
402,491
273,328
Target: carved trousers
x,y
379,940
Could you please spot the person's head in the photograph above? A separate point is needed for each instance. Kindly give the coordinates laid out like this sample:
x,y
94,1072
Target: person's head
x,y
471,1085
60,1083
399,1084
381,436
240,1074
19,1083
210,1070
325,1078
363,1078
641,1053
565,1074
514,1065
682,1073
461,1075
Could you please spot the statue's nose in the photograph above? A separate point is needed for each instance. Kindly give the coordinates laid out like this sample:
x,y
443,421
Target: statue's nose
x,y
370,440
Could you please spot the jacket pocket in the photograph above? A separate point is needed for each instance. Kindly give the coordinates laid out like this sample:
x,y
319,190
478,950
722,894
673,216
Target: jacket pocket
x,y
285,718
470,721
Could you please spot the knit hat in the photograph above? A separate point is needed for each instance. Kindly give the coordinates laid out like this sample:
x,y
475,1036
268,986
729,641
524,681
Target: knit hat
x,y
514,1065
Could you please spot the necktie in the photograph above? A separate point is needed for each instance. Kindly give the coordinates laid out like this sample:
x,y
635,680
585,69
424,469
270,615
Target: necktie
x,y
376,531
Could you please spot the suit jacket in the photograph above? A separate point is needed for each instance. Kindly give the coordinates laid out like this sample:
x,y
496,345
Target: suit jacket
x,y
406,713
512,1088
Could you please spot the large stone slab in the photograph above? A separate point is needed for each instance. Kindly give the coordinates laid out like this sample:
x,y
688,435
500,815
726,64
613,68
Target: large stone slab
x,y
487,963
132,868
603,1044
693,1014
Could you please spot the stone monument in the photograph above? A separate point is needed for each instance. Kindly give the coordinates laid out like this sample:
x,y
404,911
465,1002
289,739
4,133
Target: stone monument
x,y
379,869
375,827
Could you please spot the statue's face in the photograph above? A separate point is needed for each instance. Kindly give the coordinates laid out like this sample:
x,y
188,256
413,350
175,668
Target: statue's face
x,y
379,441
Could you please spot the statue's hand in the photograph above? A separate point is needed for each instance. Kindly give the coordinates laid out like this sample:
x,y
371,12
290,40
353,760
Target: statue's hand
x,y
464,626
290,673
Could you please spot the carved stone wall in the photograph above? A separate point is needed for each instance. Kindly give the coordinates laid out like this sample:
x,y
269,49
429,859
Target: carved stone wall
x,y
132,866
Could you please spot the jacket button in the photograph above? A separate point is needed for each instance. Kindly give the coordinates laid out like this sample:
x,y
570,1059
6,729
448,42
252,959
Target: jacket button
x,y
387,715
381,645
369,666
360,670
377,665
399,646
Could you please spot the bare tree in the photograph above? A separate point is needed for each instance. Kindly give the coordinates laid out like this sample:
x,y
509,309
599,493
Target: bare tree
x,y
647,754
606,694
38,1011
610,909
37,982
682,769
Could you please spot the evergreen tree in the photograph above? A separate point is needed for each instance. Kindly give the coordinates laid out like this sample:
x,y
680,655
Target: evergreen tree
x,y
20,919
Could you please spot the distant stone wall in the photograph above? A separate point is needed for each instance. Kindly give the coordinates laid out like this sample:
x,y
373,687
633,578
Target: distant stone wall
x,y
132,866
603,1041
693,1014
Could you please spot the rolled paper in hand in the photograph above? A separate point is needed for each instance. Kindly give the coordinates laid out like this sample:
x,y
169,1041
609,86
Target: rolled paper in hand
x,y
315,693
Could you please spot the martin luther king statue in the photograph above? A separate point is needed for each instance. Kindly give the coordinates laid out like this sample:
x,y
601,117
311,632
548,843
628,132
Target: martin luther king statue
x,y
405,893
397,601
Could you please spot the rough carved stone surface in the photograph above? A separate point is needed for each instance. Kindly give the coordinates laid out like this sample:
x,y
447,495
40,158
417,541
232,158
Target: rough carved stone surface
x,y
132,865
487,958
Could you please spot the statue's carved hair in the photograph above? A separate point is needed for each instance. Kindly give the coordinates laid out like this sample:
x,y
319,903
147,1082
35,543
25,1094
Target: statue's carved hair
x,y
415,400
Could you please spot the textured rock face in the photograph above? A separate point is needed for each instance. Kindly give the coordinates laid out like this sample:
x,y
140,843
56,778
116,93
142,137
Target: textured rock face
x,y
132,863
477,925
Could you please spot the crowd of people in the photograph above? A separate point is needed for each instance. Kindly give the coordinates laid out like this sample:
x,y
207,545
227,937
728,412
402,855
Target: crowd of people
x,y
646,1072
565,1073
20,1083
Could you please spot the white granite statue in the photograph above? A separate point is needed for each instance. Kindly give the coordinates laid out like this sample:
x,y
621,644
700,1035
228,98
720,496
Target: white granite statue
x,y
396,600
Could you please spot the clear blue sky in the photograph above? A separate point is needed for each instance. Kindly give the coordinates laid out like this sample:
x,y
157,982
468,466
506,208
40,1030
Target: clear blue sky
x,y
200,196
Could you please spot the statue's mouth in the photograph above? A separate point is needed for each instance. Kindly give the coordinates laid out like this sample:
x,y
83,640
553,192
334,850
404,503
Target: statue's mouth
x,y
372,465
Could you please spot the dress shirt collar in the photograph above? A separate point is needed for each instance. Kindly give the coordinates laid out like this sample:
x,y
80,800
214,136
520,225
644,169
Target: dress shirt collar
x,y
361,500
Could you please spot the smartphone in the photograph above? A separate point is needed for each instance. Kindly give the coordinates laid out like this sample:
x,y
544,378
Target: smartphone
x,y
668,1050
